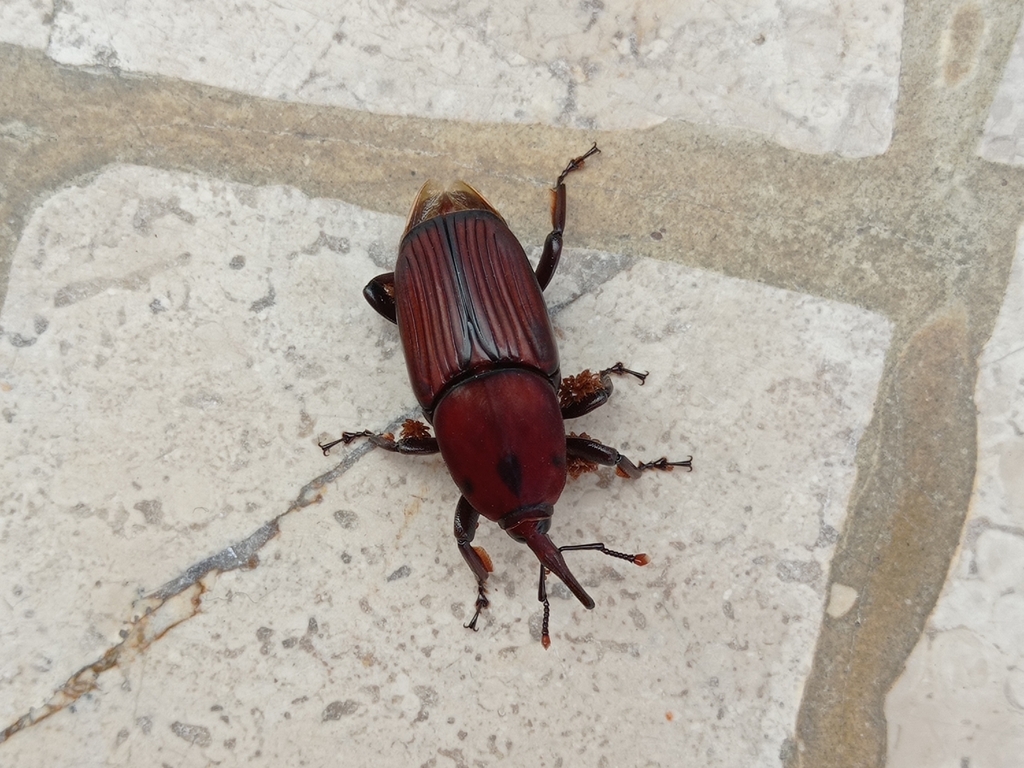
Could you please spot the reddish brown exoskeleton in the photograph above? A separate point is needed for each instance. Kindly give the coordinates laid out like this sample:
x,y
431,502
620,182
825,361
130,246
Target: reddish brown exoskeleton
x,y
483,364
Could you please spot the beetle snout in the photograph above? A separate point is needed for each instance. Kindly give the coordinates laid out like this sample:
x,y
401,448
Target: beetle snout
x,y
533,533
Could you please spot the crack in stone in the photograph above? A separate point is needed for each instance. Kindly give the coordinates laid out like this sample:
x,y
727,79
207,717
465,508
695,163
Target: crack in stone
x,y
976,527
136,280
239,555
179,599
153,625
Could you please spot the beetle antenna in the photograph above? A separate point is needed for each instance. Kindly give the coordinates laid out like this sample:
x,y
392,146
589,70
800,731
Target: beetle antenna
x,y
551,559
542,591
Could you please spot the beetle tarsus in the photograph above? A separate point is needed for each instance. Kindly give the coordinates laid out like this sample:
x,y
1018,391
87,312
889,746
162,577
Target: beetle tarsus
x,y
622,370
576,163
345,439
665,465
479,562
349,437
414,440
481,603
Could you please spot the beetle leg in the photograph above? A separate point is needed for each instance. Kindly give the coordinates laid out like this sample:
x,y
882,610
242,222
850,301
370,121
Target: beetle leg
x,y
553,244
414,441
590,450
542,590
587,391
380,294
466,519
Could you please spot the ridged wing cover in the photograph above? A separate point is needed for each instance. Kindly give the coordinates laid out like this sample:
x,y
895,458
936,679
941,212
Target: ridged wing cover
x,y
468,300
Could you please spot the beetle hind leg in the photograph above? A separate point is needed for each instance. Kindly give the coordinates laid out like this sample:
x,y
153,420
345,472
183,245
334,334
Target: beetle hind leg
x,y
479,562
542,590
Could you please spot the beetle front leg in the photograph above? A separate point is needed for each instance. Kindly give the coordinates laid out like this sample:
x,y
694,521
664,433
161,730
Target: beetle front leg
x,y
587,450
466,519
587,391
553,244
415,440
380,294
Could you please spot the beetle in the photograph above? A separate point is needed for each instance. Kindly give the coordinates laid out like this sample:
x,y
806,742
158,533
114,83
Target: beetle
x,y
483,364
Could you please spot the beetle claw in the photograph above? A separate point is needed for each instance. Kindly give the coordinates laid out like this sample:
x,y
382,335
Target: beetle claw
x,y
326,447
576,163
622,370
481,603
345,439
665,465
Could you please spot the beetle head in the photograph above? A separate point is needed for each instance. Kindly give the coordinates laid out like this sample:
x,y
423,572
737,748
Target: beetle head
x,y
532,530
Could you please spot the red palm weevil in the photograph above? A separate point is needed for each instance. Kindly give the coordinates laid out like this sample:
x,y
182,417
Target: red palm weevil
x,y
483,364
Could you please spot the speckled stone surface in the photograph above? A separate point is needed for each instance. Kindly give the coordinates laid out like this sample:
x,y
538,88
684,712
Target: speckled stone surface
x,y
175,348
963,691
820,77
803,222
1003,139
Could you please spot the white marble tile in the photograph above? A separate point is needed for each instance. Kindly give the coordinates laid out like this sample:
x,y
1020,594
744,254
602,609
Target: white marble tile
x,y
813,75
163,346
1003,138
962,694
159,406
26,22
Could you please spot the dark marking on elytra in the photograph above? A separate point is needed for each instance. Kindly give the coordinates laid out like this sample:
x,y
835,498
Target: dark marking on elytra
x,y
511,472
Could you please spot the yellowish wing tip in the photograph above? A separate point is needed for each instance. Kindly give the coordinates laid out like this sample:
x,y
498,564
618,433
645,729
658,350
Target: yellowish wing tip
x,y
433,199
